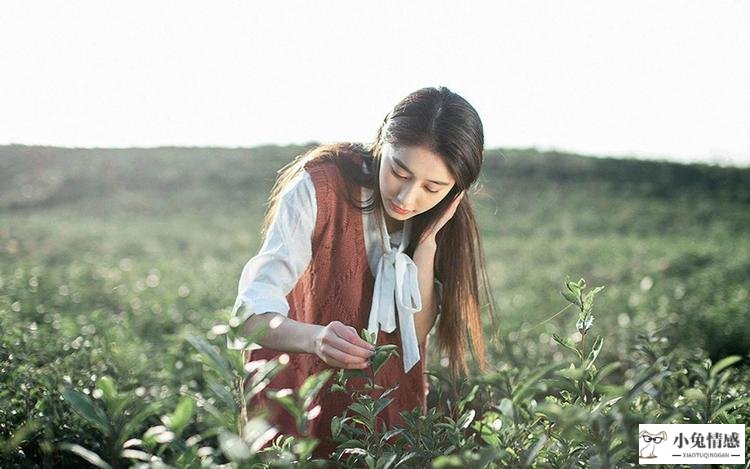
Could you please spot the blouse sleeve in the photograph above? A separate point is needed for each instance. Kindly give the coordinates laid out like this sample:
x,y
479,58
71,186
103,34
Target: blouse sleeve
x,y
268,277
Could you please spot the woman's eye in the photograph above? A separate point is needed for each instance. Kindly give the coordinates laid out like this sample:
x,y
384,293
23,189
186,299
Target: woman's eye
x,y
407,177
398,175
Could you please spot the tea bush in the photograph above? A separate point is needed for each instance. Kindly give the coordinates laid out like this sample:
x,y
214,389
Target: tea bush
x,y
116,265
566,414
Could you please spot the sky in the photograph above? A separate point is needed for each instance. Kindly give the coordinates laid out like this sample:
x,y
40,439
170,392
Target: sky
x,y
659,80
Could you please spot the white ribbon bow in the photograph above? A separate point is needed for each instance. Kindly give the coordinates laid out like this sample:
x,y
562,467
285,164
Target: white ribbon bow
x,y
397,277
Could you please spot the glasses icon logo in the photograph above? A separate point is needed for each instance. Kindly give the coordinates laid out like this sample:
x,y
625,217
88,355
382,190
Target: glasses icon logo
x,y
650,441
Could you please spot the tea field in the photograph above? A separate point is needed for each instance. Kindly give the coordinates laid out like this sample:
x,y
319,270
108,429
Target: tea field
x,y
119,268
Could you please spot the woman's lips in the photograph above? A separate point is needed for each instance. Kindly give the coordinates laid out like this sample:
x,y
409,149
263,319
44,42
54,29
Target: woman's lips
x,y
398,210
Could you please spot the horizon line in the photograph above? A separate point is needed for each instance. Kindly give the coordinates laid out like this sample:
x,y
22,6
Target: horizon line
x,y
725,162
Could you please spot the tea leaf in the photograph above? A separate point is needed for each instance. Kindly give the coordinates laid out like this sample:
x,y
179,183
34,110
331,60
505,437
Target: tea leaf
x,y
571,297
216,361
466,419
594,352
87,409
86,454
386,460
182,415
107,386
722,364
568,343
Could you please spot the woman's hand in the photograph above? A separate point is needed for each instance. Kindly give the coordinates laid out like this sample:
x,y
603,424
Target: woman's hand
x,y
428,236
340,346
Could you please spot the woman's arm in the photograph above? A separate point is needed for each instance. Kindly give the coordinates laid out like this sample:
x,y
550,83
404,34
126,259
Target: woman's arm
x,y
424,320
269,276
288,335
424,258
336,344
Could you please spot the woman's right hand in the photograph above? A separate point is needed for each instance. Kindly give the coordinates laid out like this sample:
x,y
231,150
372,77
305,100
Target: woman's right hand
x,y
340,346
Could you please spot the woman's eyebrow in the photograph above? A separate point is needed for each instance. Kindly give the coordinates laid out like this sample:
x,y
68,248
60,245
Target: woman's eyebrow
x,y
406,168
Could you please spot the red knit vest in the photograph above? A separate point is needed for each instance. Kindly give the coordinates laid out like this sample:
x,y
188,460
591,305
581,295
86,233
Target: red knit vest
x,y
338,286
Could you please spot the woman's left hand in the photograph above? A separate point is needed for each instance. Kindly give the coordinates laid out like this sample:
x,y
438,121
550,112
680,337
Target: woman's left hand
x,y
428,236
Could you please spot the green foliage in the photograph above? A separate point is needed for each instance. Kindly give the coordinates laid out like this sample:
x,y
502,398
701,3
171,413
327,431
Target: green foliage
x,y
114,265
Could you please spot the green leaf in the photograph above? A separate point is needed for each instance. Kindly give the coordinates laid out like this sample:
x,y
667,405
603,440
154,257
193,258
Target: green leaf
x,y
390,434
530,382
405,458
506,408
258,432
469,397
335,426
304,448
731,405
312,385
466,419
445,462
337,388
594,352
694,394
354,374
573,372
107,386
224,396
382,354
233,446
182,415
216,361
88,410
288,403
722,364
605,371
386,460
261,377
568,343
369,337
561,384
649,377
588,298
88,455
380,404
360,409
351,444
135,421
572,298
531,455
388,391
573,288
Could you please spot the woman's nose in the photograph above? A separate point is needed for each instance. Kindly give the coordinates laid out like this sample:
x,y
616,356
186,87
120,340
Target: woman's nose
x,y
407,196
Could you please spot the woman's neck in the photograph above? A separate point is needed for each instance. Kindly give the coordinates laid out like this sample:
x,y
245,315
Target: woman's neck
x,y
392,225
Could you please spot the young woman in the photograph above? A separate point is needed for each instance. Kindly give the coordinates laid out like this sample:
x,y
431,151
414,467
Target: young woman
x,y
362,236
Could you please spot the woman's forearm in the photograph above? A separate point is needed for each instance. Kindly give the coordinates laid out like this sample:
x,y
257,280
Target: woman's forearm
x,y
424,320
289,336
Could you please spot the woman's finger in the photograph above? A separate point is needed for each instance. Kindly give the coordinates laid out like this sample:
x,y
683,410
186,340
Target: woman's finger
x,y
349,334
349,348
337,364
341,357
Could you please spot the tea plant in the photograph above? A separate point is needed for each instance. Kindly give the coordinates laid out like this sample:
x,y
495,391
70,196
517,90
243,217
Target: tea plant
x,y
564,414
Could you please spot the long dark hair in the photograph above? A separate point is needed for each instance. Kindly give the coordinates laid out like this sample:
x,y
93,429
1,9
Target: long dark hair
x,y
445,123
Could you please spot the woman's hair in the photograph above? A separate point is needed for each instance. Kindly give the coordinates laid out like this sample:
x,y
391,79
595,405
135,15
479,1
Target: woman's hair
x,y
446,124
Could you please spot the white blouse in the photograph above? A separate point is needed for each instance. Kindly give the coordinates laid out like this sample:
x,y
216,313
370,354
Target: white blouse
x,y
286,252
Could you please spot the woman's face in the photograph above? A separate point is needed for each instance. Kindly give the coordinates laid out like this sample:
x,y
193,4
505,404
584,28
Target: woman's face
x,y
412,179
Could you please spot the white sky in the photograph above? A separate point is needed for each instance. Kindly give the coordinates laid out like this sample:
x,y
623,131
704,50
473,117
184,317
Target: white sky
x,y
662,79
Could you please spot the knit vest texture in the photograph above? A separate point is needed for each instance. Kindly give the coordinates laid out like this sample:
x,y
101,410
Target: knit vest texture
x,y
338,286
